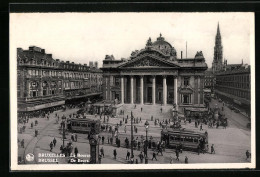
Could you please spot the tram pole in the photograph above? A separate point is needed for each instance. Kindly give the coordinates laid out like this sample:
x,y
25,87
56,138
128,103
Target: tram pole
x,y
132,137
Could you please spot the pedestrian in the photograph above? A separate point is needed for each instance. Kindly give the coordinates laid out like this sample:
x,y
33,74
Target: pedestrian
x,y
125,128
76,137
171,159
76,151
247,154
161,109
198,149
186,159
102,152
135,106
99,158
127,155
132,160
61,149
103,139
177,154
136,161
154,156
141,156
111,140
201,127
22,143
51,146
32,125
212,149
36,133
72,137
115,153
140,120
54,142
141,109
206,133
108,140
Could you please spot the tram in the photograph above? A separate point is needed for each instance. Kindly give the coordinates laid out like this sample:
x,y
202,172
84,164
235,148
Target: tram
x,y
187,138
83,125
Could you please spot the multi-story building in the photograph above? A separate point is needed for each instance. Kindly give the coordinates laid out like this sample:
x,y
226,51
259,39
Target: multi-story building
x,y
155,75
46,82
209,80
234,84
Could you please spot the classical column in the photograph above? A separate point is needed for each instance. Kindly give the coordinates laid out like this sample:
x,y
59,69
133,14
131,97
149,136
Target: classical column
x,y
198,90
132,90
175,90
164,91
122,90
141,89
153,91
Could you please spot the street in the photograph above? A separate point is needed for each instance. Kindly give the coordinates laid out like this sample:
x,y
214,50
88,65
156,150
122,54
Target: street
x,y
230,143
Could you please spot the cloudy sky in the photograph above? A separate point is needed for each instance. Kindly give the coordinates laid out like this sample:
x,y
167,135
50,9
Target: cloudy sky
x,y
84,37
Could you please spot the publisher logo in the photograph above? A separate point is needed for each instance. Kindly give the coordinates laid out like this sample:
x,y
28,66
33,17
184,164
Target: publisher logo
x,y
29,157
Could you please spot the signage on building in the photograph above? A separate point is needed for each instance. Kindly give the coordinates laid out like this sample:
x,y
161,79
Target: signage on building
x,y
47,105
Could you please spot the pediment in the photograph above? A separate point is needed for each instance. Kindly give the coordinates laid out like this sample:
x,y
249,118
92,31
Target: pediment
x,y
148,61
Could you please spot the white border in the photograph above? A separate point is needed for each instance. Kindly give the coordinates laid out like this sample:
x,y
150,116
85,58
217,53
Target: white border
x,y
35,167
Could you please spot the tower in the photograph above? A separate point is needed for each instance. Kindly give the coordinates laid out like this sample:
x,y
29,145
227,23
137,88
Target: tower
x,y
218,52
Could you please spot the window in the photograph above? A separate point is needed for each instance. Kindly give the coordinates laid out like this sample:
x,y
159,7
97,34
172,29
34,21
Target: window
x,y
186,81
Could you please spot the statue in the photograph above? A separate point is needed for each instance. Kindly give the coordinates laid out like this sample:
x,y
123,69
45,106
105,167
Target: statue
x,y
199,54
149,42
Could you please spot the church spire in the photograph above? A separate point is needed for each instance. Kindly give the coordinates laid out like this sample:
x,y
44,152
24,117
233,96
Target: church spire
x,y
218,31
218,51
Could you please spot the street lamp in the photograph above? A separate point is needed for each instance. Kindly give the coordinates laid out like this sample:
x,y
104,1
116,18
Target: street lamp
x,y
63,132
146,125
132,136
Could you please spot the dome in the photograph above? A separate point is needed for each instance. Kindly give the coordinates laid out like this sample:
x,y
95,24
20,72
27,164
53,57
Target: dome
x,y
160,43
164,46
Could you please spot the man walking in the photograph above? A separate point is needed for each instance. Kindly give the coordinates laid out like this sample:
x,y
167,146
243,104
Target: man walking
x,y
247,155
127,155
76,151
102,152
141,156
22,143
212,149
177,154
76,137
54,142
154,156
51,146
186,159
115,153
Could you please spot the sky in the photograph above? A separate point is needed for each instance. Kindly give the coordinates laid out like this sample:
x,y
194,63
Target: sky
x,y
84,37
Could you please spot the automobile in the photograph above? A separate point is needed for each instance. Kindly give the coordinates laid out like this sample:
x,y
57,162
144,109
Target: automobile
x,y
219,100
231,107
237,111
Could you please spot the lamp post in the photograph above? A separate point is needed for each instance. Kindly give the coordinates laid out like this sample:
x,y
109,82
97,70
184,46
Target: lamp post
x,y
132,137
146,125
63,132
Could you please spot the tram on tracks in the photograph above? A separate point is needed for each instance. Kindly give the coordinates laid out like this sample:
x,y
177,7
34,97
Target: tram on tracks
x,y
83,125
188,139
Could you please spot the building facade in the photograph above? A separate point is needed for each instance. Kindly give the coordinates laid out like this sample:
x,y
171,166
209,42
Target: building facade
x,y
45,82
234,85
218,53
210,80
155,75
